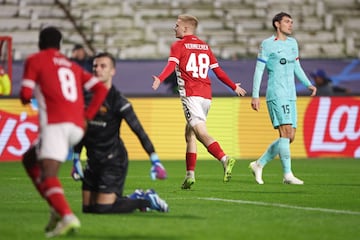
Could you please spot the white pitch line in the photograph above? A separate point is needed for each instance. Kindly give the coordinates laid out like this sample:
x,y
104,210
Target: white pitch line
x,y
283,206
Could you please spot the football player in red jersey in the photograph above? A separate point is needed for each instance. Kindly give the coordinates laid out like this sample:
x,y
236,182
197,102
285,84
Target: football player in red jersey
x,y
192,59
57,84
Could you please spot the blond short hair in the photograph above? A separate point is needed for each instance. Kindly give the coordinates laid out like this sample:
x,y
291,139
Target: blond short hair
x,y
187,18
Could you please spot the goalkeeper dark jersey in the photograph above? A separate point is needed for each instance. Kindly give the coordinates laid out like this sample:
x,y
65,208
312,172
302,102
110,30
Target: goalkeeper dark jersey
x,y
102,139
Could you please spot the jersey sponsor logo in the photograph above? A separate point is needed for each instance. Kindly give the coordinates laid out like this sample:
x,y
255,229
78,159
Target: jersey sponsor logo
x,y
17,133
97,123
282,61
332,127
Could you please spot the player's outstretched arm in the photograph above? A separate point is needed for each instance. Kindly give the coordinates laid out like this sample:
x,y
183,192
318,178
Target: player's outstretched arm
x,y
239,91
222,76
156,83
157,170
167,71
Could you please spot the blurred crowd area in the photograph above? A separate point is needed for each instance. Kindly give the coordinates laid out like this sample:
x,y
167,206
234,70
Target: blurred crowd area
x,y
142,29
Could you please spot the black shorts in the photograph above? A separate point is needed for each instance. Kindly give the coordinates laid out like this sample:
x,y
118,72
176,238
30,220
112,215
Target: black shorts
x,y
106,175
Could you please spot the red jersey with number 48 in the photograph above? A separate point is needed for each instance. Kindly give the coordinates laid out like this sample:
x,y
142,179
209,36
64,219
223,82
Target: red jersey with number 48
x,y
194,58
58,86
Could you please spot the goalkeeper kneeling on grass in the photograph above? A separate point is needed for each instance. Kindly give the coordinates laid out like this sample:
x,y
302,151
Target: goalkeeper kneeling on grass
x,y
106,168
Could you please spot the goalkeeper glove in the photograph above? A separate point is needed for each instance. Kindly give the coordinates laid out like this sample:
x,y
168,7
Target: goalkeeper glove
x,y
77,171
157,170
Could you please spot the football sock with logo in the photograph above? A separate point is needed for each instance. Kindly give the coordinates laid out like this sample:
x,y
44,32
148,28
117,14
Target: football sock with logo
x,y
284,152
54,194
270,153
215,150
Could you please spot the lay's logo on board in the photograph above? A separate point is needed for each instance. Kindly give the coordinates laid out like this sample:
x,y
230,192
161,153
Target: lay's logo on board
x,y
332,127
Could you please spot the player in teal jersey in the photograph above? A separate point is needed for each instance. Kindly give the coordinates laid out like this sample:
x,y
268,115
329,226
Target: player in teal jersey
x,y
280,55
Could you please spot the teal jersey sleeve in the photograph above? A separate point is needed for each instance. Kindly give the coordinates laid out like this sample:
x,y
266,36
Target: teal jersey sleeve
x,y
300,74
259,71
282,64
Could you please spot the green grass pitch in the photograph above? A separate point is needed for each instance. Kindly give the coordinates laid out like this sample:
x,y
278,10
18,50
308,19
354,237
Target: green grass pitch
x,y
327,207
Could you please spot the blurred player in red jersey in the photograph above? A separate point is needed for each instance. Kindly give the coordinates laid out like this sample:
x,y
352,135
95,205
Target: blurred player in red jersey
x,y
192,59
57,84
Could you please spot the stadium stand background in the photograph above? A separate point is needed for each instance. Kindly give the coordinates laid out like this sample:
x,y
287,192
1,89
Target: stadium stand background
x,y
139,34
142,29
